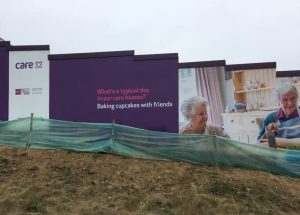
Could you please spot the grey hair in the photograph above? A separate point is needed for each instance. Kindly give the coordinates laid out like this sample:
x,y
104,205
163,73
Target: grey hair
x,y
187,107
282,88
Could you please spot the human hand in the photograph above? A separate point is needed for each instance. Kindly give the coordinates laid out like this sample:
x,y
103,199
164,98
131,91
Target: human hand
x,y
272,127
188,130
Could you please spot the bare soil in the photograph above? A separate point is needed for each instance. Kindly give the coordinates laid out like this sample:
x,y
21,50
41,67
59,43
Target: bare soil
x,y
62,182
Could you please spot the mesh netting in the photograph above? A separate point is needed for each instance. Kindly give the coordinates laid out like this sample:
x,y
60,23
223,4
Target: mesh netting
x,y
140,143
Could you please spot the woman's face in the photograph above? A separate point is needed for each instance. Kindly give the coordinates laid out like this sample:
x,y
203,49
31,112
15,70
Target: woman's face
x,y
199,117
288,103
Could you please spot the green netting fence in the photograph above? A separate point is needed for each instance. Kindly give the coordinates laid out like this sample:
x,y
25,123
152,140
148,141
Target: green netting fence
x,y
41,133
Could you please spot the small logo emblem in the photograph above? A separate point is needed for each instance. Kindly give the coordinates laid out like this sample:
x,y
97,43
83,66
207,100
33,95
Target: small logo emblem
x,y
23,91
38,64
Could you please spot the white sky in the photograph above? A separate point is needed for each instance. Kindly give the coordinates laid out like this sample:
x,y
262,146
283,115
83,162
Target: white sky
x,y
238,31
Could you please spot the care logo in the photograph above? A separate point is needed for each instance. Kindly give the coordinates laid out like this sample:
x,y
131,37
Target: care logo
x,y
29,65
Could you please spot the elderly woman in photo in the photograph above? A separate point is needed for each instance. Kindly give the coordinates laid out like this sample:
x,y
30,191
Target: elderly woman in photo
x,y
194,110
287,97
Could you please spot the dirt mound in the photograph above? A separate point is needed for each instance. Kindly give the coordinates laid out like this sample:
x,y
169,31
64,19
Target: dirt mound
x,y
60,182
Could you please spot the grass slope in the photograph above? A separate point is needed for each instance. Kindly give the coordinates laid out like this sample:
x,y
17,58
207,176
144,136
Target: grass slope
x,y
60,182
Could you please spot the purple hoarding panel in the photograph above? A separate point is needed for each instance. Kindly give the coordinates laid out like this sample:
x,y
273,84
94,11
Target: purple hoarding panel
x,y
4,83
139,93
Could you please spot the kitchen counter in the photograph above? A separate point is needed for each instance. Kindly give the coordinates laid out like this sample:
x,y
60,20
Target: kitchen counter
x,y
245,126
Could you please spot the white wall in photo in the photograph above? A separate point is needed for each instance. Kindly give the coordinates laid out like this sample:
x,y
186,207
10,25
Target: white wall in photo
x,y
28,84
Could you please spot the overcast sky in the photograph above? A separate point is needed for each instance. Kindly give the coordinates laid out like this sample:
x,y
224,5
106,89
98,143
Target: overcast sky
x,y
238,31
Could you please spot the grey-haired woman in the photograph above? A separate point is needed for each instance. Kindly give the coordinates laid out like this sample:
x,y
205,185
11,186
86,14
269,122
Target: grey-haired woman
x,y
286,95
195,110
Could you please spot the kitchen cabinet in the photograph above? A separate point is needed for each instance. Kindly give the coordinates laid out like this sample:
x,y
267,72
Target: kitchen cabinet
x,y
254,87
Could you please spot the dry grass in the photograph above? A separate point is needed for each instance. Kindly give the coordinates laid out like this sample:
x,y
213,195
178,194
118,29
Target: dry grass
x,y
60,182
